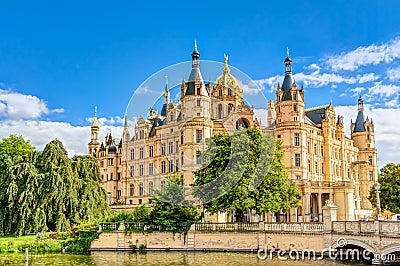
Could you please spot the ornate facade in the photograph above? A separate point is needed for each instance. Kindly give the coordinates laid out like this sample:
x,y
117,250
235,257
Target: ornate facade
x,y
324,163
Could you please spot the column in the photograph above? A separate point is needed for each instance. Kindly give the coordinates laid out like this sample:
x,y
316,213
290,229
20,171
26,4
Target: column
x,y
307,216
319,207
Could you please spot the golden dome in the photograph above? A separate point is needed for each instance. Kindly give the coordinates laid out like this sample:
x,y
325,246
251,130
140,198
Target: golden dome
x,y
227,79
95,123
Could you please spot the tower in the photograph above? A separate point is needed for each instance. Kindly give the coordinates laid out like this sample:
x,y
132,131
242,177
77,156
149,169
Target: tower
x,y
94,144
291,130
363,135
196,123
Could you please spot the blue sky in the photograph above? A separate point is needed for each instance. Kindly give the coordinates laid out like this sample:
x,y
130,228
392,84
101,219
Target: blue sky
x,y
59,60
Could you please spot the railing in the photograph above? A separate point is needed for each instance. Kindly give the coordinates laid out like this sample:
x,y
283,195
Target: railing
x,y
371,227
294,227
227,227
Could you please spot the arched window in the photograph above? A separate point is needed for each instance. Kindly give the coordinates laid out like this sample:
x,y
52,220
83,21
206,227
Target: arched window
x,y
220,92
219,111
229,92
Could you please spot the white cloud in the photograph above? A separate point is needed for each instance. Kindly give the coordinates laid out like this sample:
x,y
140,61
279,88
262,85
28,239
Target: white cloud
x,y
365,55
393,74
15,105
368,77
383,90
74,138
357,90
144,90
250,90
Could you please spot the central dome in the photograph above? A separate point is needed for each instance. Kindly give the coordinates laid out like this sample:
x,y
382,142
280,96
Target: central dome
x,y
227,79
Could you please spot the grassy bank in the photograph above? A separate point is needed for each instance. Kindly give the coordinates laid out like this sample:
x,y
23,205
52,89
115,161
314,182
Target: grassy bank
x,y
71,241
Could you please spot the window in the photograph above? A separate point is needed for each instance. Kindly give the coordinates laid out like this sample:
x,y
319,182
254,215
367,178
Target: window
x,y
182,138
163,167
198,157
141,134
229,92
170,166
219,111
198,102
151,168
309,166
110,161
141,170
198,91
230,108
111,176
199,135
131,190
132,170
163,148
220,93
163,185
297,177
294,107
119,193
141,189
176,165
151,151
176,146
371,176
294,96
118,176
370,160
296,139
140,201
130,202
141,153
132,154
151,188
297,159
279,136
182,156
316,168
170,147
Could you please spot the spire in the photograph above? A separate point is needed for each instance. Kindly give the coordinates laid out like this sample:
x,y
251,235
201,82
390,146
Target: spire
x,y
288,62
360,103
126,121
288,81
166,92
195,56
95,123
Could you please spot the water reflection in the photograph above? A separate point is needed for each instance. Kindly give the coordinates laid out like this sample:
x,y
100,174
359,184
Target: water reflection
x,y
157,258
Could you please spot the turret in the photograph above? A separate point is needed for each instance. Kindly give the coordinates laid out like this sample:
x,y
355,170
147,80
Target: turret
x,y
94,144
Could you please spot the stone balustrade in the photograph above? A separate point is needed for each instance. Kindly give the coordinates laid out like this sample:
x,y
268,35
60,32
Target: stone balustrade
x,y
390,228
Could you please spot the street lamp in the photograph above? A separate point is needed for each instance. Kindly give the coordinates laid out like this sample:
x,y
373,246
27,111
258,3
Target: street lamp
x,y
378,200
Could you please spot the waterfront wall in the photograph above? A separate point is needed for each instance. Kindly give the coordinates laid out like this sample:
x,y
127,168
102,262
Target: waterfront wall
x,y
219,237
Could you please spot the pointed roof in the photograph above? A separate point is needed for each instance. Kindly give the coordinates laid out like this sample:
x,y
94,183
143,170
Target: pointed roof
x,y
288,81
359,124
95,123
195,75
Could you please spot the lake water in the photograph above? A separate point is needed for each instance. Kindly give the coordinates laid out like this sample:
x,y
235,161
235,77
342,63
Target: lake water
x,y
157,259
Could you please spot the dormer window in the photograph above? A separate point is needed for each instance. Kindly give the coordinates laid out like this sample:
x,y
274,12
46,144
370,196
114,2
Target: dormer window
x,y
294,96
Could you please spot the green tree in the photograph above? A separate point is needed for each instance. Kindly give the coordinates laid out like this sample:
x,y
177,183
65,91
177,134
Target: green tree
x,y
14,145
255,178
389,178
48,190
171,211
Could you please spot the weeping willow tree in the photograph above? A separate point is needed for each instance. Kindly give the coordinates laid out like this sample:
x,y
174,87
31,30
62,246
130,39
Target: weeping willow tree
x,y
49,191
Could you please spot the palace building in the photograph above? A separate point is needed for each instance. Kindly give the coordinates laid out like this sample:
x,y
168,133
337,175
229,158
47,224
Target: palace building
x,y
324,163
